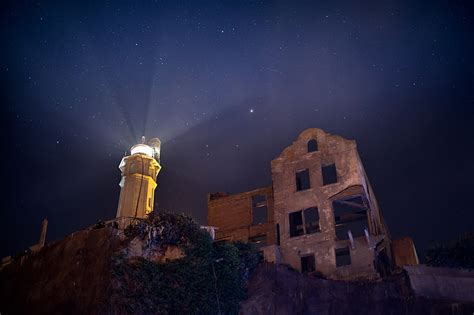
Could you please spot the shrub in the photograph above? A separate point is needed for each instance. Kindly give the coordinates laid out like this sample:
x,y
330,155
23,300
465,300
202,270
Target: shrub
x,y
457,254
210,277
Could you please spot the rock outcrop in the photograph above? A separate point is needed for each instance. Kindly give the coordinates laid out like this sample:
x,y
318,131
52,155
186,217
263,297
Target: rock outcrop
x,y
280,290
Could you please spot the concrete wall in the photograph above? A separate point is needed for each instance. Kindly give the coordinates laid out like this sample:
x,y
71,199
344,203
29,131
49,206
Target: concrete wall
x,y
442,283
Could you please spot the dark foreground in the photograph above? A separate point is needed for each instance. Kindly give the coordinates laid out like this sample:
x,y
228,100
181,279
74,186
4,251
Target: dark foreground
x,y
75,276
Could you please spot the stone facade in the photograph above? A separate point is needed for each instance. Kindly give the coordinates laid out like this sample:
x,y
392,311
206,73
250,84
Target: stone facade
x,y
322,213
350,188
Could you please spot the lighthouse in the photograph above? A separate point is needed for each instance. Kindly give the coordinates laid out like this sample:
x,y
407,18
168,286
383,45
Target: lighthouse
x,y
138,183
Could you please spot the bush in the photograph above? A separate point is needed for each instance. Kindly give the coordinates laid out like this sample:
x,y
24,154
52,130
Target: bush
x,y
210,277
457,254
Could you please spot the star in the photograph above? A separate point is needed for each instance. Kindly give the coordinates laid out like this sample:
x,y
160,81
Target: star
x,y
110,82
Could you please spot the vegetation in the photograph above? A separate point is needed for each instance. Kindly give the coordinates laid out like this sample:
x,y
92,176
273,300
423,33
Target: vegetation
x,y
457,254
211,278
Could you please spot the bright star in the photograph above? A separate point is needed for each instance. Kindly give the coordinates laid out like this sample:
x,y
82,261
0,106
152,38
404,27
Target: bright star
x,y
251,111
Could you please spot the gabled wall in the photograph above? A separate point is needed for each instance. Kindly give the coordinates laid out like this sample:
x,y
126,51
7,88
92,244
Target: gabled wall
x,y
350,182
369,252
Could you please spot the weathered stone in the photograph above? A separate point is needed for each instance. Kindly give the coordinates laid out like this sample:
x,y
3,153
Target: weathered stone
x,y
336,159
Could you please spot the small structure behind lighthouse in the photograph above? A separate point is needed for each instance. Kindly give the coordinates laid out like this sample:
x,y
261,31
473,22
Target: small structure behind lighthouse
x,y
139,172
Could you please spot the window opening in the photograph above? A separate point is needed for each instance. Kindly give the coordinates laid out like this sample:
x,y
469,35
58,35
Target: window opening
x,y
311,220
296,224
304,222
259,209
350,214
329,174
312,145
308,264
302,180
343,257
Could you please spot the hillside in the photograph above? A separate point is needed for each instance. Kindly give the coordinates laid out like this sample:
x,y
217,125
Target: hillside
x,y
168,265
165,264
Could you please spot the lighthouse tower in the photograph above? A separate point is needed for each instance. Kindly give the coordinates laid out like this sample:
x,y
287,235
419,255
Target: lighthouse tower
x,y
139,172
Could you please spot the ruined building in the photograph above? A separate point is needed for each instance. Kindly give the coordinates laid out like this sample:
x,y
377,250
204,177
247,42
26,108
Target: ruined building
x,y
139,172
320,214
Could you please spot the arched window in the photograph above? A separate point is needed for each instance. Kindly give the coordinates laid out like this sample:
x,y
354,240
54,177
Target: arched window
x,y
312,145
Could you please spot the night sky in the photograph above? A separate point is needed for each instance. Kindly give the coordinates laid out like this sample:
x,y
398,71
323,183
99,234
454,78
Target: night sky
x,y
227,86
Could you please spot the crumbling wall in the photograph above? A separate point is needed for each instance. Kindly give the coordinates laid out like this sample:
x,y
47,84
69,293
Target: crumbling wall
x,y
232,215
309,177
350,180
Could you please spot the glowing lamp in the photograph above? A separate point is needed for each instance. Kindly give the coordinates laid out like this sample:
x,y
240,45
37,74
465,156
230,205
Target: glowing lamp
x,y
150,148
142,149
